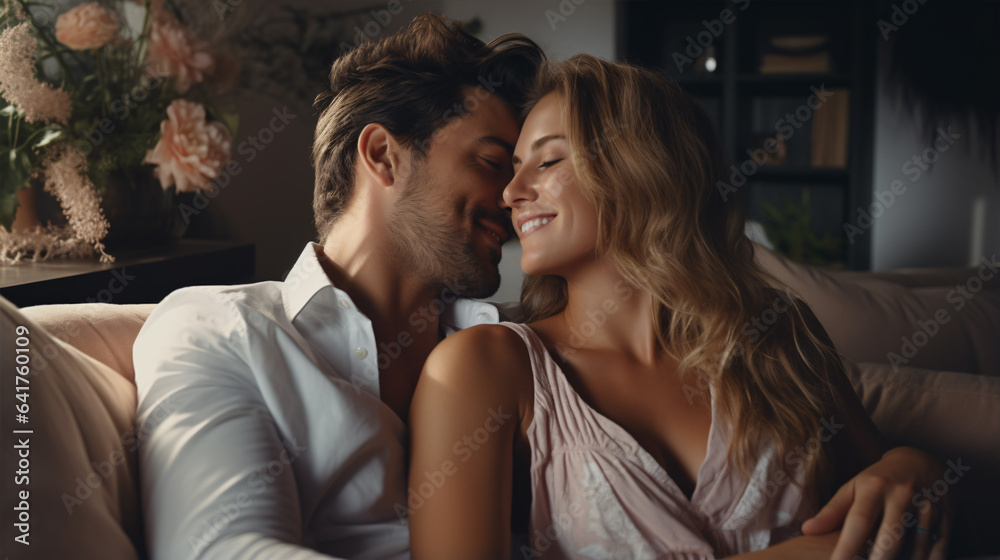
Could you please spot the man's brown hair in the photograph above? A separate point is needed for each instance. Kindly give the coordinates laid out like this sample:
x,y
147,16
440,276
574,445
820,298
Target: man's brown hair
x,y
410,82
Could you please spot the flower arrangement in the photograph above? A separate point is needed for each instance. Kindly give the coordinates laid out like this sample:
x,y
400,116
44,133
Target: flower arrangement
x,y
112,85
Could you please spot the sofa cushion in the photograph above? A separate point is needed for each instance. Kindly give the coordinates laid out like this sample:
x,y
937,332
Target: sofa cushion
x,y
878,320
103,331
953,416
83,497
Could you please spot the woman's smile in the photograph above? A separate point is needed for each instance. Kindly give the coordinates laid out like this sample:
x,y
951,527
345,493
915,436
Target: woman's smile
x,y
526,225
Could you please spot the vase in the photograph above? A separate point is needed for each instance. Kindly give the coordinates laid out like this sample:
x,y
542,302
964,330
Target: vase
x,y
140,212
26,216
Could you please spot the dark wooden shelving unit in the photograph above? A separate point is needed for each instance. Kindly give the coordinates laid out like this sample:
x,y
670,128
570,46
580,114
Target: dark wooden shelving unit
x,y
745,102
136,276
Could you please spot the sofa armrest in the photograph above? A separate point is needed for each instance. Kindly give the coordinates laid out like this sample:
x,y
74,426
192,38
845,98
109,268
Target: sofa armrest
x,y
103,331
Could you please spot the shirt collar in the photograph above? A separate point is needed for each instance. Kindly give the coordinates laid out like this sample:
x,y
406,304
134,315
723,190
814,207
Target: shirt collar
x,y
304,281
307,278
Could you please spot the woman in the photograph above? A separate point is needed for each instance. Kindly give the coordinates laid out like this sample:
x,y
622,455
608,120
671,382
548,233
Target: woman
x,y
630,411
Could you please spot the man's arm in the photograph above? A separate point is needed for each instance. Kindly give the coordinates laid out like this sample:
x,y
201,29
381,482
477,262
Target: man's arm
x,y
216,478
880,484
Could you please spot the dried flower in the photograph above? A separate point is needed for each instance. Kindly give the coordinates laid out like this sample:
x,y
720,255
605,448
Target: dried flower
x,y
173,51
191,152
16,11
18,84
87,26
43,243
66,178
65,171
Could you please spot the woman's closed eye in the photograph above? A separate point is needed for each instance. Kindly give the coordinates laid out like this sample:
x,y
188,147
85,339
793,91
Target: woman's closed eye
x,y
549,163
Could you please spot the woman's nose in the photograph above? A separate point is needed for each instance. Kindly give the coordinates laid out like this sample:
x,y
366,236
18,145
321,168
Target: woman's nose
x,y
517,191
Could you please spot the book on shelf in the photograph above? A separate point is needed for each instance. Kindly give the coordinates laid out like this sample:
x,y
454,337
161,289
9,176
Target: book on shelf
x,y
830,129
817,63
806,54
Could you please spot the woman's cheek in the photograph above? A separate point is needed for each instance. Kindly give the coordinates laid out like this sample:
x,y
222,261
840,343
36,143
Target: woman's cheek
x,y
560,180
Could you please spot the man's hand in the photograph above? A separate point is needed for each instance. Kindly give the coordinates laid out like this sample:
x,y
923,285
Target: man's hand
x,y
891,489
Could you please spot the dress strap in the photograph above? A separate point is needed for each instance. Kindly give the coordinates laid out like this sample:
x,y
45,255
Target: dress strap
x,y
542,372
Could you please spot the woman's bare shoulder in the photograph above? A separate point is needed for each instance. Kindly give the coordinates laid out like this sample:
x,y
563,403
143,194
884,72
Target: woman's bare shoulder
x,y
481,358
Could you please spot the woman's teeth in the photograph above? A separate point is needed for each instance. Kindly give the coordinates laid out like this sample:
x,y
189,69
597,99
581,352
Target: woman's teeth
x,y
532,224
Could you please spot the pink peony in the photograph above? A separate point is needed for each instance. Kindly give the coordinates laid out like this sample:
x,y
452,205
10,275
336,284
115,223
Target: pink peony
x,y
191,152
87,26
173,51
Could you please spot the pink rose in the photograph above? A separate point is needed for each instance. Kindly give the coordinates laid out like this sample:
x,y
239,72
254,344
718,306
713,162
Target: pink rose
x,y
87,26
191,152
173,51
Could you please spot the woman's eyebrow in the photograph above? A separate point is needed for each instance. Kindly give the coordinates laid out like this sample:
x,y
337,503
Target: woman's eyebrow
x,y
537,144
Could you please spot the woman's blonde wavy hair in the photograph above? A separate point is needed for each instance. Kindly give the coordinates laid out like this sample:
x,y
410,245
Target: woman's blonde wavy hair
x,y
648,158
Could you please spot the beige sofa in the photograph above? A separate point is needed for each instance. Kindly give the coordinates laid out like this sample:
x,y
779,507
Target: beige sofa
x,y
944,398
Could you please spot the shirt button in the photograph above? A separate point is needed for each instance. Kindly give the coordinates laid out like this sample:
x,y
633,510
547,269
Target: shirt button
x,y
344,303
360,352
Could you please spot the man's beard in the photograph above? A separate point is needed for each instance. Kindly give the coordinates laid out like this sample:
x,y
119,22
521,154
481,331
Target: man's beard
x,y
435,252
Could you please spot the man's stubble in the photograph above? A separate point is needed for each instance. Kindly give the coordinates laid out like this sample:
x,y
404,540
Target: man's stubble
x,y
426,243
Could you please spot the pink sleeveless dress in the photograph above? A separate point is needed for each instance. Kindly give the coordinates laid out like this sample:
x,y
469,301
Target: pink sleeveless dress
x,y
597,494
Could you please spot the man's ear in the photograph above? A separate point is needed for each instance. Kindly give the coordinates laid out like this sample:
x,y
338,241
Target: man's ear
x,y
381,156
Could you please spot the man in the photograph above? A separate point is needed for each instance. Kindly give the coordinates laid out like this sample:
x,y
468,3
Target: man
x,y
273,416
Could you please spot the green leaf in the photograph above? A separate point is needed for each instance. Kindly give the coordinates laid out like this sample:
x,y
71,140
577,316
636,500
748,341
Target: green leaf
x,y
47,138
8,209
15,170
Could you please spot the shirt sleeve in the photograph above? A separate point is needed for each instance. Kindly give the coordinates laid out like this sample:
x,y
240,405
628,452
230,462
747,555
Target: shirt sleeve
x,y
216,477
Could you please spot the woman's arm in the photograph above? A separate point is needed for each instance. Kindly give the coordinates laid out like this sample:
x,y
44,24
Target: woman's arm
x,y
464,418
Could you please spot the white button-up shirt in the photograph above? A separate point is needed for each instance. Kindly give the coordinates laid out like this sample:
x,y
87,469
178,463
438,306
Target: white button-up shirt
x,y
261,431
